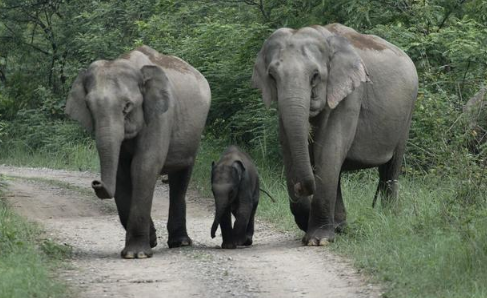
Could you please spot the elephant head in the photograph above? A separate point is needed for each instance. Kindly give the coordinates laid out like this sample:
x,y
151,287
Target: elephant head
x,y
116,100
306,71
225,184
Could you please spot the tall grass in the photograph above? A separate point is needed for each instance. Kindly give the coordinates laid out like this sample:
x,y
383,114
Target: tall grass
x,y
432,244
70,156
26,261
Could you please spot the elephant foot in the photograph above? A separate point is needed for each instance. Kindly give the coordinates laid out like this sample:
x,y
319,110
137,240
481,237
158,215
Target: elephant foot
x,y
248,241
319,237
301,213
153,236
228,245
174,242
341,227
153,240
136,252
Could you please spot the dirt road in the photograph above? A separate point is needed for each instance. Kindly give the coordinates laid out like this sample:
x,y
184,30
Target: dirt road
x,y
276,266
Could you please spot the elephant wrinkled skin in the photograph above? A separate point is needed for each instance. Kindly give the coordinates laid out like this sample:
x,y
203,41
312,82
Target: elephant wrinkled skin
x,y
345,102
147,111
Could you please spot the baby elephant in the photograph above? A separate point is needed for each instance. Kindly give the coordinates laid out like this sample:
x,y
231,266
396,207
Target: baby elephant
x,y
235,186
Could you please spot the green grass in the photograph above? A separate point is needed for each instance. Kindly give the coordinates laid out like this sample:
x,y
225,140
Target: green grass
x,y
432,244
28,262
70,156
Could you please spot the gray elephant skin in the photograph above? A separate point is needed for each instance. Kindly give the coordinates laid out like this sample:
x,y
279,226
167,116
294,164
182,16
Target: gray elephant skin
x,y
345,102
235,186
147,111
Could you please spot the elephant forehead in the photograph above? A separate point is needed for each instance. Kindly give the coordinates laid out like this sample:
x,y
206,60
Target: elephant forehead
x,y
296,46
221,188
223,174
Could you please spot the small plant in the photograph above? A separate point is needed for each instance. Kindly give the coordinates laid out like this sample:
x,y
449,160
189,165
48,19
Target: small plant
x,y
53,250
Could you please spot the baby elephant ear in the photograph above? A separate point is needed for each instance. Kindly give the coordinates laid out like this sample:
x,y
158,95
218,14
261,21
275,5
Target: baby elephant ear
x,y
212,170
261,80
347,70
239,167
76,107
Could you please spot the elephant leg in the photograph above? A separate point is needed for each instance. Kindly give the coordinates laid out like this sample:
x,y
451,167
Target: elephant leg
x,y
176,223
145,172
299,206
333,139
388,178
321,226
227,232
250,228
123,193
123,197
340,212
242,219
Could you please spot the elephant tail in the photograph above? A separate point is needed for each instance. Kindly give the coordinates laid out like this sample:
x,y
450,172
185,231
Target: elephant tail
x,y
376,195
214,227
272,199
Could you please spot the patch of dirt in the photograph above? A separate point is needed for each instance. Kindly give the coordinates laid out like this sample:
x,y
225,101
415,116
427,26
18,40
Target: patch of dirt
x,y
275,266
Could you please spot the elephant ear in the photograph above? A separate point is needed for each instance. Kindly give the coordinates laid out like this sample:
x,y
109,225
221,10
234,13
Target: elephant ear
x,y
76,107
239,168
212,170
262,81
346,70
157,92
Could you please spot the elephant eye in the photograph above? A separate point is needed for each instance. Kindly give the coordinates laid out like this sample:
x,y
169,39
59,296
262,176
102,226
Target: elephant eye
x,y
127,108
315,78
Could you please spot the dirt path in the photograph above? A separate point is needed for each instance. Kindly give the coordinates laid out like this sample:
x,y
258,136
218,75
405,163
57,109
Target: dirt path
x,y
276,266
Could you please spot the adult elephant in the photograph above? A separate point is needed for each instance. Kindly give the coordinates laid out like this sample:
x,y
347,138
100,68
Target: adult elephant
x,y
147,111
345,102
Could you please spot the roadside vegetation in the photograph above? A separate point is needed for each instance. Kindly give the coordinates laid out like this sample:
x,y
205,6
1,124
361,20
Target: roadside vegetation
x,y
433,243
27,261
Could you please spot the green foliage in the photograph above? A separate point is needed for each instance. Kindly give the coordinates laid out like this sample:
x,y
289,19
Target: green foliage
x,y
32,139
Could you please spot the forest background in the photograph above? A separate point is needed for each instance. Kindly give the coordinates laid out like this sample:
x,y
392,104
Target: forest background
x,y
442,211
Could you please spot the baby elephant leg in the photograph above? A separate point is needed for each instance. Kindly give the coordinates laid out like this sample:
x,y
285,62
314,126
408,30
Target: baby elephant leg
x,y
227,233
250,228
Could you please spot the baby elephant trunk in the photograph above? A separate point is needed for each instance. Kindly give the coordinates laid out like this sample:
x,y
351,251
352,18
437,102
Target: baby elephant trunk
x,y
214,227
101,190
221,208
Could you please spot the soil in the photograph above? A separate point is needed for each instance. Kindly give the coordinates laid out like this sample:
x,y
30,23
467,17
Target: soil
x,y
277,265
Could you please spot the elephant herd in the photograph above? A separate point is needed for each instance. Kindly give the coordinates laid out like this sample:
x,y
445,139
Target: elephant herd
x,y
344,101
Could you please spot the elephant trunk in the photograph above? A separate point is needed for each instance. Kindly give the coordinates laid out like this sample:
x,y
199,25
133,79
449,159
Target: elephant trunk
x,y
221,208
294,114
108,141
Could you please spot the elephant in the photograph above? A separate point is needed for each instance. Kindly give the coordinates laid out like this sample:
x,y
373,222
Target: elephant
x,y
235,186
147,111
345,102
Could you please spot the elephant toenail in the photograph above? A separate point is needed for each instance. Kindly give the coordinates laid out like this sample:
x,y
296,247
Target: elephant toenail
x,y
312,242
129,255
324,242
141,255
